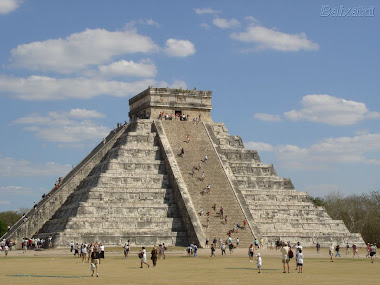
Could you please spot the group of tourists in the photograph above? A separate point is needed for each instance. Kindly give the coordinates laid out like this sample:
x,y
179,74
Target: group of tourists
x,y
155,254
6,245
178,117
93,252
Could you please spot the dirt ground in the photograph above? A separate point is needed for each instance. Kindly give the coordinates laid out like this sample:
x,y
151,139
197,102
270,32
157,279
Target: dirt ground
x,y
61,267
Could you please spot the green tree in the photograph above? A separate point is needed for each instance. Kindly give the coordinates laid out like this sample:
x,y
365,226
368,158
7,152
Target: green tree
x,y
3,228
10,217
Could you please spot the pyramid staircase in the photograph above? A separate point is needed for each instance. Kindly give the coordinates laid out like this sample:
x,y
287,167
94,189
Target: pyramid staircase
x,y
221,193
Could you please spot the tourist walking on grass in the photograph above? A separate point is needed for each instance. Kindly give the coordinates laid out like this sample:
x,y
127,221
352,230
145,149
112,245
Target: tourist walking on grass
x,y
126,249
84,253
347,248
298,247
142,256
259,262
212,250
154,256
285,256
95,261
300,261
318,246
355,250
372,252
101,251
337,249
223,248
251,251
331,252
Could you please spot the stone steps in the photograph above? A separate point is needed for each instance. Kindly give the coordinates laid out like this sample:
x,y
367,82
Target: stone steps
x,y
221,192
278,209
126,195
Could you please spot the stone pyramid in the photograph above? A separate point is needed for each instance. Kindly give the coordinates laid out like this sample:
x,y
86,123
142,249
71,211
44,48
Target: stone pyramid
x,y
135,186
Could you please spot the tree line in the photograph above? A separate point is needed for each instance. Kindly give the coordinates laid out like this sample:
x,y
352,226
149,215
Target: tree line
x,y
360,213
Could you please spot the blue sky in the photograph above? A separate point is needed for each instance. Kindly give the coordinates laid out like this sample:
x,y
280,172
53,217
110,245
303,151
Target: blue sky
x,y
300,87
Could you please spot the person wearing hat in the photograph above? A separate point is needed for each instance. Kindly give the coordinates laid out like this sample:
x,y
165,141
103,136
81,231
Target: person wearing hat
x,y
259,262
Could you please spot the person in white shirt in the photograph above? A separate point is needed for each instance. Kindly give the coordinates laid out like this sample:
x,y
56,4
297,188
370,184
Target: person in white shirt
x,y
298,247
300,261
259,262
331,252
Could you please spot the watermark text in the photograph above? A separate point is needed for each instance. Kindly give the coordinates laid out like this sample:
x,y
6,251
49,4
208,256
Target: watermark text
x,y
342,11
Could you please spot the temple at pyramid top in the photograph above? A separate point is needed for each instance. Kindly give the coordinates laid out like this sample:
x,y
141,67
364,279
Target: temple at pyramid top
x,y
173,102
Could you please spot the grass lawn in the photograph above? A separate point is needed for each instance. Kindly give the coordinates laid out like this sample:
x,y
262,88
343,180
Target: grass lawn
x,y
60,267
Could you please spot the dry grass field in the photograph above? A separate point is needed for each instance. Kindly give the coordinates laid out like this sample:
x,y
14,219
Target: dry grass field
x,y
60,267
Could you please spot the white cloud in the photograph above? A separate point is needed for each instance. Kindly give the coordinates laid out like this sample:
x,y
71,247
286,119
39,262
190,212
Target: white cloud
x,y
267,117
10,167
64,127
201,11
205,25
8,6
225,24
48,88
251,20
266,38
331,110
259,146
4,202
151,22
144,68
14,190
364,149
85,114
179,48
80,50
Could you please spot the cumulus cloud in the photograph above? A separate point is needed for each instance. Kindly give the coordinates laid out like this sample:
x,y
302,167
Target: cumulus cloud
x,y
65,127
331,110
144,68
202,11
225,24
266,38
10,167
80,50
8,6
179,48
267,117
48,88
322,155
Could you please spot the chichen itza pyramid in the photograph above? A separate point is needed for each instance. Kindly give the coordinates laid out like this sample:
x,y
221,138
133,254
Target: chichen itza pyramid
x,y
134,186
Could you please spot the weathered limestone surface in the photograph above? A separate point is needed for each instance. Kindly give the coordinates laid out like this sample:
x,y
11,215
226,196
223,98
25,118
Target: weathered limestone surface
x,y
126,196
279,211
